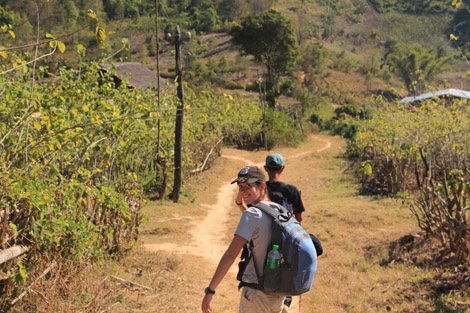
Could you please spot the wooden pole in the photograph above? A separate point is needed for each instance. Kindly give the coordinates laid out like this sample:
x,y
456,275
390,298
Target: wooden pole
x,y
179,118
159,171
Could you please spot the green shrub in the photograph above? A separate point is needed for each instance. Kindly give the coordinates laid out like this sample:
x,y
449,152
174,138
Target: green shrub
x,y
422,149
346,128
244,128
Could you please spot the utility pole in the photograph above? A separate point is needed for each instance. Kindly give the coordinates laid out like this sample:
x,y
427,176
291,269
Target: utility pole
x,y
160,162
179,118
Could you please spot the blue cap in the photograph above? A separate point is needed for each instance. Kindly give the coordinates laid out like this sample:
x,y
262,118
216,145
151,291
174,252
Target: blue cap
x,y
274,160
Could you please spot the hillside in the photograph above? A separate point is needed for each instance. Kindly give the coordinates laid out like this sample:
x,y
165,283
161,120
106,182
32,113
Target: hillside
x,y
84,157
356,45
354,34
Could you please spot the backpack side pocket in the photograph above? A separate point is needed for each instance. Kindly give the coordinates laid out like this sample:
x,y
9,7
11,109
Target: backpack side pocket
x,y
271,279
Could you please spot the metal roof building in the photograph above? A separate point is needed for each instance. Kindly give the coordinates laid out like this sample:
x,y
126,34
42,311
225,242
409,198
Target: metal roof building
x,y
446,93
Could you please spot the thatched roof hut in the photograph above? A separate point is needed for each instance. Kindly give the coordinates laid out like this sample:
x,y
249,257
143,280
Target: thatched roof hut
x,y
136,73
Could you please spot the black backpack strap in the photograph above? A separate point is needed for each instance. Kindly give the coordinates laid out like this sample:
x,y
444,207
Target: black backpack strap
x,y
269,210
247,255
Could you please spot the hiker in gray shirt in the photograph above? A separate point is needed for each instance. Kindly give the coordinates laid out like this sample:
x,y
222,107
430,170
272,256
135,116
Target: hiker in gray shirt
x,y
254,225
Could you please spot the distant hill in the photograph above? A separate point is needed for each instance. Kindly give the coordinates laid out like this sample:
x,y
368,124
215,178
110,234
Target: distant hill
x,y
353,33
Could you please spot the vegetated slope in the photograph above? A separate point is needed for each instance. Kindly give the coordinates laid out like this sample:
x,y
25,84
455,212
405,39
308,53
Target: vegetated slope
x,y
351,72
353,32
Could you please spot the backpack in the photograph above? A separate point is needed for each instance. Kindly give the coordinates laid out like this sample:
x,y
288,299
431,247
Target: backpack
x,y
299,258
276,194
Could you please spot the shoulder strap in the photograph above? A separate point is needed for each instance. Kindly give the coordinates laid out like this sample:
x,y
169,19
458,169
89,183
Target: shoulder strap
x,y
269,210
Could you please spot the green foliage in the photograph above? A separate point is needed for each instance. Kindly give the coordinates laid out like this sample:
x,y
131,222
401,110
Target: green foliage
x,y
282,129
417,67
71,154
347,120
423,149
243,126
314,58
461,25
271,39
232,9
204,20
413,7
6,18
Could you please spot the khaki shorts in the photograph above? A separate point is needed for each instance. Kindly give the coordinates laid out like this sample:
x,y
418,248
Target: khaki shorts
x,y
256,301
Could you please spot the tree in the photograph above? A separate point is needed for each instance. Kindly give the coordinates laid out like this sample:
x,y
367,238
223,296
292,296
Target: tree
x,y
314,63
259,6
461,25
270,38
416,66
204,19
232,9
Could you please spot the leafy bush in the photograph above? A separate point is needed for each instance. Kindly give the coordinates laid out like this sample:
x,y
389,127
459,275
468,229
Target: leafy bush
x,y
243,126
423,149
345,121
72,152
346,128
282,129
67,149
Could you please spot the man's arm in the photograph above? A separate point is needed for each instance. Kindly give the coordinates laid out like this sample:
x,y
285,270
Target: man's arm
x,y
295,199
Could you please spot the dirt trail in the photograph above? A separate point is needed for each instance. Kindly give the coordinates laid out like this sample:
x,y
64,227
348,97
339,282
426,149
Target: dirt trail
x,y
208,241
356,231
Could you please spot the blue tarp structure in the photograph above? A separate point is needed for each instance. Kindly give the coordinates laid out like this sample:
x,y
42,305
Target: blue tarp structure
x,y
455,93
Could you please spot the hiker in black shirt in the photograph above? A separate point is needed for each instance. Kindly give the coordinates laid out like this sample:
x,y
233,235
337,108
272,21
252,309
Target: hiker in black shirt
x,y
280,192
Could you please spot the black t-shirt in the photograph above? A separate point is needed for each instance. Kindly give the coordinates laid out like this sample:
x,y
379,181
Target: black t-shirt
x,y
280,191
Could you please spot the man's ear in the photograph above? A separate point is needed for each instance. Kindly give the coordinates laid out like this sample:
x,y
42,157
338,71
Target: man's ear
x,y
282,169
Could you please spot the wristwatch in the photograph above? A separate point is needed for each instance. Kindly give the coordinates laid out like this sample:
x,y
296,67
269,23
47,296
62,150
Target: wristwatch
x,y
209,290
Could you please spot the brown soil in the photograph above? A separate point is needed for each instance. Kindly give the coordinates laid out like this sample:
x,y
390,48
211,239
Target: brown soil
x,y
371,262
450,274
208,242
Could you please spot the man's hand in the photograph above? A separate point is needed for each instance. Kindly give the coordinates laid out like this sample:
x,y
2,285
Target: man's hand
x,y
299,216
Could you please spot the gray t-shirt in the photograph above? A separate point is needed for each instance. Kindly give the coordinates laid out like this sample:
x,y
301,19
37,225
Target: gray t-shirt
x,y
256,225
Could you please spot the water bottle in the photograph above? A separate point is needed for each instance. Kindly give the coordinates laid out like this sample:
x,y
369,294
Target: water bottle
x,y
274,258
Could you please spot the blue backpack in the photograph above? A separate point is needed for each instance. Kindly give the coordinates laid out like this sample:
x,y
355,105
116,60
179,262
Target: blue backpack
x,y
299,258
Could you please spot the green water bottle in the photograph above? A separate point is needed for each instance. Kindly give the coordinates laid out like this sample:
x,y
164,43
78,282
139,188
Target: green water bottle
x,y
274,258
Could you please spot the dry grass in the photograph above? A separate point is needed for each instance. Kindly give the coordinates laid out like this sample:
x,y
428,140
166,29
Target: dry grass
x,y
348,224
355,231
